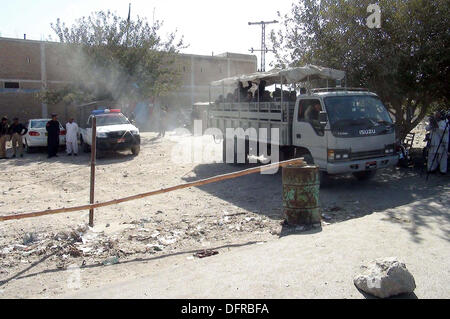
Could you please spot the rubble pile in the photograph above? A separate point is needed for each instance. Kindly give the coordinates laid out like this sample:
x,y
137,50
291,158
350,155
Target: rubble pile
x,y
110,243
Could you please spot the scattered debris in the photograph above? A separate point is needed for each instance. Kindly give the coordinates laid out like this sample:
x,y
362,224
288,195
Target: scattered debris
x,y
385,277
111,261
206,253
29,238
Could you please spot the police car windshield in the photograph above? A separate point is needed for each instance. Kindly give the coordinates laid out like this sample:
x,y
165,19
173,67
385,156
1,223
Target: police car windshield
x,y
111,119
356,110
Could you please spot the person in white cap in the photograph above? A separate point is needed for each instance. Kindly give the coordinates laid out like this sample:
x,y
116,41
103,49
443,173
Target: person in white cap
x,y
71,138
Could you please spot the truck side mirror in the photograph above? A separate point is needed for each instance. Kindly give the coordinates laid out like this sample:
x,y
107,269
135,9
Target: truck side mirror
x,y
323,119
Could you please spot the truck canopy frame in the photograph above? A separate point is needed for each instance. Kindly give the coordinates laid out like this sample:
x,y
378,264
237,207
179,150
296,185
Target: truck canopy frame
x,y
284,76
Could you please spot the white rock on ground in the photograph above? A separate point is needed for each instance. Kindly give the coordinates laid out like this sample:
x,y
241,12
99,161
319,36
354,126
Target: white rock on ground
x,y
385,277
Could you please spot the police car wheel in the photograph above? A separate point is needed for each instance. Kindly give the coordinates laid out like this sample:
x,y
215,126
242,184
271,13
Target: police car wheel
x,y
28,149
135,149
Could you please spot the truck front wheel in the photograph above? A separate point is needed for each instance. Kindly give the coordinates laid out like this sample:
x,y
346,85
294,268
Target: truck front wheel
x,y
364,176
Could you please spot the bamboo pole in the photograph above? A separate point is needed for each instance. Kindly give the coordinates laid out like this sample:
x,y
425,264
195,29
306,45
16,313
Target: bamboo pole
x,y
219,178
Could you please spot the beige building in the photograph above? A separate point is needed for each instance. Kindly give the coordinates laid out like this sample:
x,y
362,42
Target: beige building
x,y
28,66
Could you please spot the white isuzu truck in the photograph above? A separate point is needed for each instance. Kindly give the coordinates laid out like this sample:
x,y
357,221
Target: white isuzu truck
x,y
341,130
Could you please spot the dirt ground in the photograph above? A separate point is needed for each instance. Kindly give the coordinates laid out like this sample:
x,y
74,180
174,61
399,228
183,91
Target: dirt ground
x,y
220,215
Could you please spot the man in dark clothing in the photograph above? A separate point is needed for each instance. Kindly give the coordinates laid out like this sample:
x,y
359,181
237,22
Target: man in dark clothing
x,y
261,90
4,136
163,116
52,128
17,130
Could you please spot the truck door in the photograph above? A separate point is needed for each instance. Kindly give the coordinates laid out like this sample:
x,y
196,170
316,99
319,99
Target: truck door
x,y
307,131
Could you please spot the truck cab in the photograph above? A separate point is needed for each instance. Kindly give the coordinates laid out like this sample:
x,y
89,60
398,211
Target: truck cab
x,y
344,131
114,132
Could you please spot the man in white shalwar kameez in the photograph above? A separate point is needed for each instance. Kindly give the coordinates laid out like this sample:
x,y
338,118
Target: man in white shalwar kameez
x,y
71,138
437,155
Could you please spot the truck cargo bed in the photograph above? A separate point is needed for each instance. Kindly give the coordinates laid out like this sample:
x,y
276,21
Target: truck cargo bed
x,y
267,115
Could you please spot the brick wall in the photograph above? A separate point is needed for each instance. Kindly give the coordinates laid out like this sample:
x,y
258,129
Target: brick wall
x,y
20,61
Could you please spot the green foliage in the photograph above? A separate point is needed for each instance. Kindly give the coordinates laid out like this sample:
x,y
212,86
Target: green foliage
x,y
112,58
406,61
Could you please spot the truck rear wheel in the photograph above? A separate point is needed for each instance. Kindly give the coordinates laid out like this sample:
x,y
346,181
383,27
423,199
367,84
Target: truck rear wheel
x,y
364,176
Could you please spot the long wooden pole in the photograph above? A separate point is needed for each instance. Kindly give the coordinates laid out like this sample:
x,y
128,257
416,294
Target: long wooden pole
x,y
161,191
93,156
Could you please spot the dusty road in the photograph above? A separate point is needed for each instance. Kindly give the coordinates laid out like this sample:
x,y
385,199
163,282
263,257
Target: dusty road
x,y
37,256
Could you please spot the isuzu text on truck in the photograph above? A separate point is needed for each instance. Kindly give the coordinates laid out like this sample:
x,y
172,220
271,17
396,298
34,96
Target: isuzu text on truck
x,y
341,130
114,132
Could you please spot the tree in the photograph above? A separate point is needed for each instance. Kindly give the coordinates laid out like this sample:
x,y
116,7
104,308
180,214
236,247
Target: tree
x,y
406,61
119,59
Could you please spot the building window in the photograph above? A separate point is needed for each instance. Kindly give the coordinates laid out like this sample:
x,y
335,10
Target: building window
x,y
28,60
11,85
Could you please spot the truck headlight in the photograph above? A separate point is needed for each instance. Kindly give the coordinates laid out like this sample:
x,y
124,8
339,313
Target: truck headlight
x,y
101,134
389,149
135,132
338,155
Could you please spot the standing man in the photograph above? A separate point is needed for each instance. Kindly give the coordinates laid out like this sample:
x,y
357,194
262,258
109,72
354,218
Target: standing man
x,y
53,129
17,130
71,138
163,117
437,155
4,137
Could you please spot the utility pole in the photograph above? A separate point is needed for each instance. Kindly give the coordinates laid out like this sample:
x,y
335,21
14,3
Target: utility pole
x,y
128,21
263,49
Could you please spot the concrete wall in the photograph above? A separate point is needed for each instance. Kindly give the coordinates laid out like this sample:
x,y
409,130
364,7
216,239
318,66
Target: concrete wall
x,y
36,65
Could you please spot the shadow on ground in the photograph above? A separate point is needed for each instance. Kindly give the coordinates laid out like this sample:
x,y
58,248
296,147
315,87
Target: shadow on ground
x,y
343,199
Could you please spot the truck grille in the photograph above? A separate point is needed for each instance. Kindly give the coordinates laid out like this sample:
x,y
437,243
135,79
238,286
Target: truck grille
x,y
367,154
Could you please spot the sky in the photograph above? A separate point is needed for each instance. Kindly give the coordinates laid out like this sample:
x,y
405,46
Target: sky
x,y
208,27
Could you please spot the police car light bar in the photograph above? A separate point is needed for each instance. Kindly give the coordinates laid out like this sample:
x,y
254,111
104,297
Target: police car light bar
x,y
106,111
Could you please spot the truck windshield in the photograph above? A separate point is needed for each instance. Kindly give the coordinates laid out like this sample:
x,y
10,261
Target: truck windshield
x,y
362,110
111,119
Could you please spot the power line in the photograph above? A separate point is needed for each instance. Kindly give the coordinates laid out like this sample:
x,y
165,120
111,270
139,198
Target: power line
x,y
263,49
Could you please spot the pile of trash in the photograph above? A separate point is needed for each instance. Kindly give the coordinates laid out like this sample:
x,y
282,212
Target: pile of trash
x,y
108,244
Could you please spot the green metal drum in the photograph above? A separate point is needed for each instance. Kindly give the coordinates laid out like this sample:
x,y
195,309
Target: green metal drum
x,y
301,186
